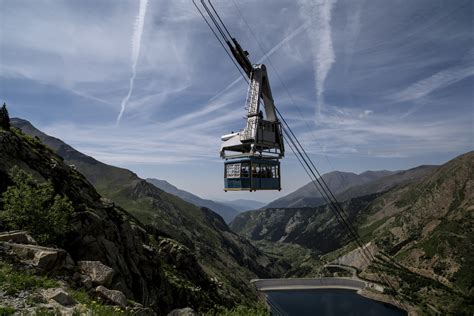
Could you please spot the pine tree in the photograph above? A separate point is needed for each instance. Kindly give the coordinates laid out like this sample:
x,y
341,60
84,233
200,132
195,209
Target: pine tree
x,y
4,118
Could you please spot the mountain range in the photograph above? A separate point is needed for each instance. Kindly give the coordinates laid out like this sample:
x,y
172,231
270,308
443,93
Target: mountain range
x,y
418,223
169,253
346,185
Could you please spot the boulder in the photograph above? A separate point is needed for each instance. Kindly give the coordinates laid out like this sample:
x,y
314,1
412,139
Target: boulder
x,y
44,258
17,237
82,280
59,296
188,311
86,282
99,273
107,203
111,296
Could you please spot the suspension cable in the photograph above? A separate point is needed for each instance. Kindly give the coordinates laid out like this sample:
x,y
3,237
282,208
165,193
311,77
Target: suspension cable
x,y
337,209
335,204
320,188
293,103
218,16
366,254
219,28
222,44
299,150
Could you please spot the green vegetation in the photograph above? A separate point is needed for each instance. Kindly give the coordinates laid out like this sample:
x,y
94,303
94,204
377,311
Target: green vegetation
x,y
454,239
35,207
409,196
13,281
459,196
367,231
5,311
415,288
304,262
44,311
259,310
91,306
35,143
443,239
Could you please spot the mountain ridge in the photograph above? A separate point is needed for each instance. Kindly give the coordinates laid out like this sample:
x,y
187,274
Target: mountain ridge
x,y
102,231
217,249
228,213
337,181
347,185
244,204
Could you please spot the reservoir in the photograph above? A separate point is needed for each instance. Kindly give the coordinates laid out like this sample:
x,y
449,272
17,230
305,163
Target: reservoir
x,y
327,302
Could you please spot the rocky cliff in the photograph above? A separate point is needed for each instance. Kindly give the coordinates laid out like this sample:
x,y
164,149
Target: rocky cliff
x,y
204,265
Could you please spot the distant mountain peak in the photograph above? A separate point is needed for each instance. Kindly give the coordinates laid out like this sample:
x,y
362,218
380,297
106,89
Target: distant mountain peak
x,y
227,212
343,184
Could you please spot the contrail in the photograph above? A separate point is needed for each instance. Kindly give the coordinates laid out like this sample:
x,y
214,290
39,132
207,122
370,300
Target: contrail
x,y
319,14
136,41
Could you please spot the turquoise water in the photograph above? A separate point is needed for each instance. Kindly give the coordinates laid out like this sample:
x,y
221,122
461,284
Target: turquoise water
x,y
327,302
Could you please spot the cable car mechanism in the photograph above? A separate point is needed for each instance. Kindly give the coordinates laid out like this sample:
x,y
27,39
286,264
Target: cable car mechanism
x,y
252,154
257,148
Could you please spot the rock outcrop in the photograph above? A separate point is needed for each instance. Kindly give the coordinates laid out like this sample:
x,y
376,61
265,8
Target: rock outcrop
x,y
188,311
18,237
43,258
98,273
60,296
111,296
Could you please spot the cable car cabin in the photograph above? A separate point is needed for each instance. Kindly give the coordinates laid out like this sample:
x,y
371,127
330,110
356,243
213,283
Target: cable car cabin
x,y
251,174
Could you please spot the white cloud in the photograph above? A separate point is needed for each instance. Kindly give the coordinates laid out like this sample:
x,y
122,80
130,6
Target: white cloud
x,y
434,82
318,14
346,132
365,113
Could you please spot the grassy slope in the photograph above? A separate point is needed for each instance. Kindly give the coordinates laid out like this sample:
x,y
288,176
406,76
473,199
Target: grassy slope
x,y
428,228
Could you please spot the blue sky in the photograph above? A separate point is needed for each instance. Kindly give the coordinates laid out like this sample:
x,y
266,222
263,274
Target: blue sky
x,y
371,84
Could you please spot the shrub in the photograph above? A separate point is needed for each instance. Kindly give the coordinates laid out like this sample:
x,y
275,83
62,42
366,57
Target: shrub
x,y
35,207
5,311
259,310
